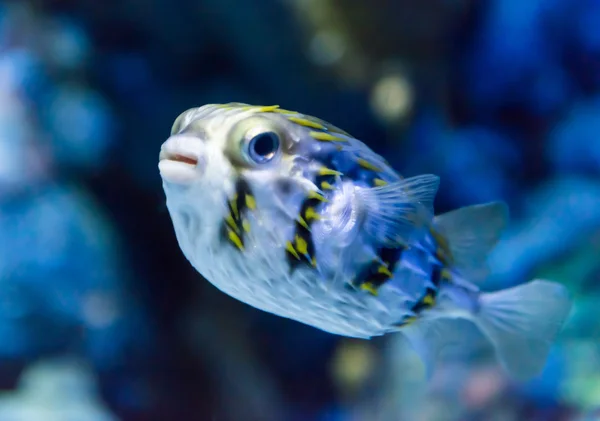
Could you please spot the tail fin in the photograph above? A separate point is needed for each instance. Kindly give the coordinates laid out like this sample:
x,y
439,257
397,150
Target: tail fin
x,y
522,323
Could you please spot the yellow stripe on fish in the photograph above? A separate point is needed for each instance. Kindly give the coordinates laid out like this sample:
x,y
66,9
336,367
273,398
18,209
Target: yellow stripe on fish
x,y
231,222
427,301
236,224
260,108
250,202
290,249
326,177
408,321
324,171
315,195
326,186
302,248
307,123
383,269
368,165
295,117
326,137
369,287
301,245
285,112
246,226
234,207
443,252
311,215
235,239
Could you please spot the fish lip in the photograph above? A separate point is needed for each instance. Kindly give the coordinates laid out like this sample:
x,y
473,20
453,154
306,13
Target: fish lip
x,y
184,157
179,166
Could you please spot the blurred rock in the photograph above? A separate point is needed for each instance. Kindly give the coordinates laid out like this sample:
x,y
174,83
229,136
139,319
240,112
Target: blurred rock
x,y
574,143
81,127
555,218
61,271
55,390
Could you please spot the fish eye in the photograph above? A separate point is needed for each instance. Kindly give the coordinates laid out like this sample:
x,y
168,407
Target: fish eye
x,y
255,141
263,147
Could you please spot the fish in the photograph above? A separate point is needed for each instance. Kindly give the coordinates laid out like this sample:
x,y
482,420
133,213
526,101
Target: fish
x,y
296,217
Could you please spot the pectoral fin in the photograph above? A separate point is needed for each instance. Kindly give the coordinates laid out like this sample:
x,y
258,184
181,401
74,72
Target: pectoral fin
x,y
395,210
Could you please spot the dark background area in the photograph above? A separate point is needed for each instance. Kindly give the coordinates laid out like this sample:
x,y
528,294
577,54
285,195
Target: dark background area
x,y
101,316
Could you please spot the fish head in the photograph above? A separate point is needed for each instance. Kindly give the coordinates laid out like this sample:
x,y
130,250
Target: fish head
x,y
209,147
213,147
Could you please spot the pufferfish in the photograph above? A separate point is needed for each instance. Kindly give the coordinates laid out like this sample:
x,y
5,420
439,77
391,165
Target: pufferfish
x,y
294,216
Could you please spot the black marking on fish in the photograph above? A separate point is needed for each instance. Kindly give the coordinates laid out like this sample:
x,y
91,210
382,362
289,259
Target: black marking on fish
x,y
426,301
436,275
442,250
440,274
407,320
347,162
379,271
302,251
391,256
301,248
235,226
346,168
326,182
328,156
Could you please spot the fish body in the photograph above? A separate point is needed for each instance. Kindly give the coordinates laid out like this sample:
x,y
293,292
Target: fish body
x,y
296,217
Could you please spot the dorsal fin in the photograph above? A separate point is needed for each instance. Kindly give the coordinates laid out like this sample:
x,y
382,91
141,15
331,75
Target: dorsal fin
x,y
472,232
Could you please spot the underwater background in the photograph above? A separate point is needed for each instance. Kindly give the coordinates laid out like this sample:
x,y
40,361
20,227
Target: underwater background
x,y
101,316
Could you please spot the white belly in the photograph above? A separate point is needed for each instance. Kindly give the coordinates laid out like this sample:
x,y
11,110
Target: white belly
x,y
260,276
266,283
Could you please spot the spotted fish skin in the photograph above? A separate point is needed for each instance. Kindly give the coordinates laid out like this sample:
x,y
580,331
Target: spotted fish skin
x,y
294,216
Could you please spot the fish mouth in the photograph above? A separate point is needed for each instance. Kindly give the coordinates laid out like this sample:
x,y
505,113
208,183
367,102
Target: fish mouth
x,y
178,167
178,157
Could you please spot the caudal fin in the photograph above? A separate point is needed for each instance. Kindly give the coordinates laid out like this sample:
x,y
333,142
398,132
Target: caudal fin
x,y
522,322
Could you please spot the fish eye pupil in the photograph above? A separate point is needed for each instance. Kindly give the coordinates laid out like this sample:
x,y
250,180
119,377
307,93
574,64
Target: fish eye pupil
x,y
263,147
